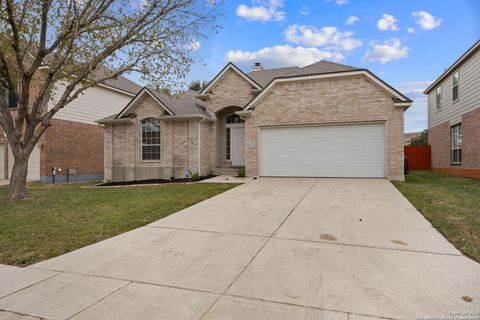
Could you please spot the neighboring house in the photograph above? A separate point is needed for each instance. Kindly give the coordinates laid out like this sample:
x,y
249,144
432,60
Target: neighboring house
x,y
74,142
454,117
409,136
323,120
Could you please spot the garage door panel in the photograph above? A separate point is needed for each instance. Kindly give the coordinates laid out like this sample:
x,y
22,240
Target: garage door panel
x,y
324,151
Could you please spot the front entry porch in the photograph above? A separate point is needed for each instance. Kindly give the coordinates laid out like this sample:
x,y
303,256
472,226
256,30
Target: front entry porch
x,y
230,142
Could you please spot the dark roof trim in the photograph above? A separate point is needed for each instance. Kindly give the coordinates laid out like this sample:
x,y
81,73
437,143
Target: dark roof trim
x,y
454,66
224,69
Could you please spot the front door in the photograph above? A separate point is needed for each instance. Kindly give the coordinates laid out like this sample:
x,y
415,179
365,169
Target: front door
x,y
238,145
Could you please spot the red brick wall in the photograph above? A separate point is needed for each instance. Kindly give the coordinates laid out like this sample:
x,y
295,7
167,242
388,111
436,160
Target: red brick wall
x,y
440,140
471,139
439,137
72,145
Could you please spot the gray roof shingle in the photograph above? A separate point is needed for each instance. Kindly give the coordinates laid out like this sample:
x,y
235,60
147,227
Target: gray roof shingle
x,y
263,77
184,103
321,67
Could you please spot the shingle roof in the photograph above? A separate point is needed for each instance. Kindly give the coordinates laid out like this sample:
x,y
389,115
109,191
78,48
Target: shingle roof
x,y
263,77
120,82
321,67
184,103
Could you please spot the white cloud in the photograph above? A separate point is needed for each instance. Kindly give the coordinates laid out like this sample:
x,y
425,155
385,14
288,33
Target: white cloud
x,y
329,37
411,84
304,11
284,55
264,11
425,20
339,2
351,20
410,30
388,22
390,50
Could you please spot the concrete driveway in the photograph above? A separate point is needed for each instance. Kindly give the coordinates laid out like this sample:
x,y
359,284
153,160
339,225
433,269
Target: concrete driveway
x,y
274,249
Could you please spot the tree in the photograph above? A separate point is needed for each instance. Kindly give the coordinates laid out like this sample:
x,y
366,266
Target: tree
x,y
197,85
421,140
77,44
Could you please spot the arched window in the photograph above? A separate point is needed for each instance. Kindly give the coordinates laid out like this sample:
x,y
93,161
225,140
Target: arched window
x,y
150,139
234,118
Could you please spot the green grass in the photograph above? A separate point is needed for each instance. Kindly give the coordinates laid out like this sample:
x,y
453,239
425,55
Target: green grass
x,y
62,218
451,204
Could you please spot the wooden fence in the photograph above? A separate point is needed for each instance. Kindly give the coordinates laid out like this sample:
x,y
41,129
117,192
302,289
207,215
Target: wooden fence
x,y
419,157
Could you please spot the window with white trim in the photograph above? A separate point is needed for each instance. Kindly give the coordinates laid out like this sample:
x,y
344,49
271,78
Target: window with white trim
x,y
438,98
457,144
455,86
150,139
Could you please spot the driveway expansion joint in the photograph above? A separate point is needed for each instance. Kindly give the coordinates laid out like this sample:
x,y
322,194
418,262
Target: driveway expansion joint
x,y
100,300
209,231
369,247
33,284
259,250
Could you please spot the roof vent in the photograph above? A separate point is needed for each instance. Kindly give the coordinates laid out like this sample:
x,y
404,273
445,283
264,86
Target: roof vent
x,y
257,66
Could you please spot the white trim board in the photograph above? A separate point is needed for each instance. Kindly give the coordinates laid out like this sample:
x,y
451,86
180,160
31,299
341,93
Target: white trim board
x,y
380,83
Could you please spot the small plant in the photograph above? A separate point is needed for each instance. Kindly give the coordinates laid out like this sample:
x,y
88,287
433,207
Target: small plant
x,y
210,174
195,176
241,172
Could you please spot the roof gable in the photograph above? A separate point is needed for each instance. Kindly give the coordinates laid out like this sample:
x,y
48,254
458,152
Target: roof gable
x,y
137,98
230,66
400,99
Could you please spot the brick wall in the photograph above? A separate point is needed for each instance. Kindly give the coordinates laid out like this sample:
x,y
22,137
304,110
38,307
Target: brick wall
x,y
72,145
339,100
179,147
439,137
230,93
230,90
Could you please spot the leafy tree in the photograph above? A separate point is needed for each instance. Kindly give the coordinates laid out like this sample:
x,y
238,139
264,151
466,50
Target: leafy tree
x,y
197,85
76,44
421,140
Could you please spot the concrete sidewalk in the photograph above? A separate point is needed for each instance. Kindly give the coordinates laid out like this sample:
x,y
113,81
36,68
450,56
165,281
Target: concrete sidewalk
x,y
269,249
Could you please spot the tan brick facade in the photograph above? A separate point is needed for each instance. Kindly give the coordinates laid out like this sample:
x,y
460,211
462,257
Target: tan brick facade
x,y
340,100
179,147
440,139
332,101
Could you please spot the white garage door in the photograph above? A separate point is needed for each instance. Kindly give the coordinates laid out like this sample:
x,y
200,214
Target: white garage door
x,y
324,151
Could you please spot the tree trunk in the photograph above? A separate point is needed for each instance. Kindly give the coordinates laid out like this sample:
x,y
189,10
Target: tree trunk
x,y
18,179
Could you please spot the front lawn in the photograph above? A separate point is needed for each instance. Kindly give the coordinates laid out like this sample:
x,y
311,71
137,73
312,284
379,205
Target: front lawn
x,y
451,204
62,218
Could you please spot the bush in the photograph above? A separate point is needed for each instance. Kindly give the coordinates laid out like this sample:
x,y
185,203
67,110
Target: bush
x,y
210,174
241,172
195,176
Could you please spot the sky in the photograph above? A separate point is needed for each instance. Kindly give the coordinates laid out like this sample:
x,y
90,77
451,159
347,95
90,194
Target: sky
x,y
406,43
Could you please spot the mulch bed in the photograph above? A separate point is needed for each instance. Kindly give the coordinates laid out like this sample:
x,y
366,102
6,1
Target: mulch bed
x,y
151,181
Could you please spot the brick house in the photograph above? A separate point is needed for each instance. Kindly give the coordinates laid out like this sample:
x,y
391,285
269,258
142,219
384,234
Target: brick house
x,y
454,117
74,142
323,120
